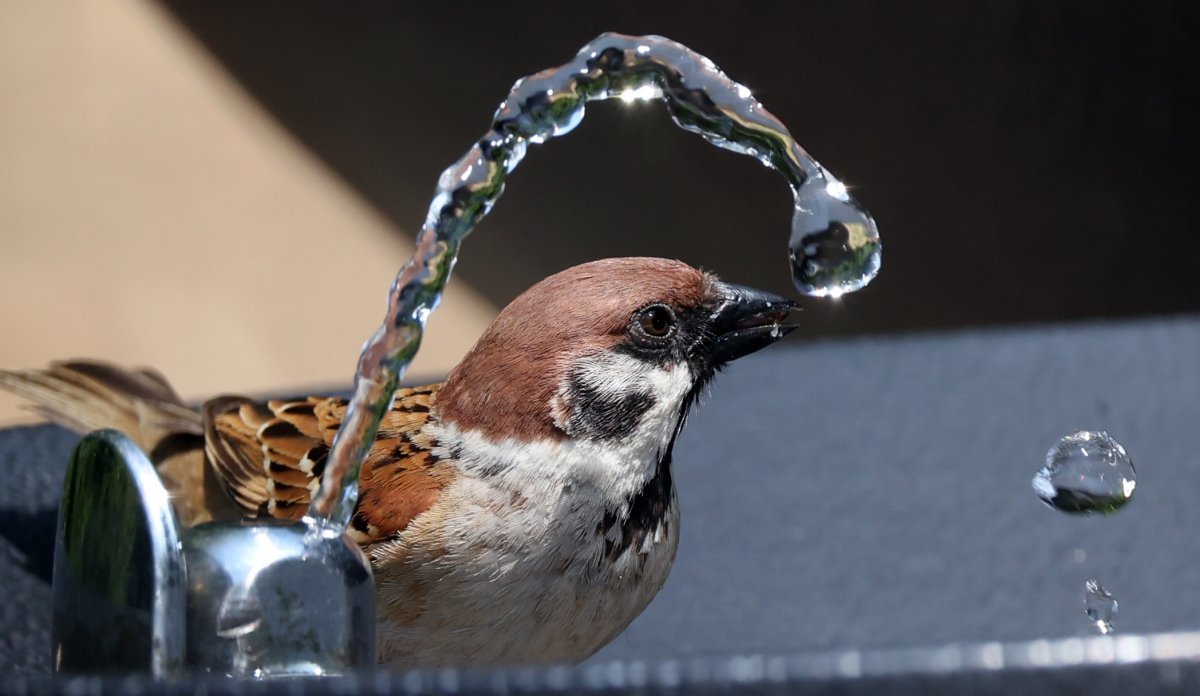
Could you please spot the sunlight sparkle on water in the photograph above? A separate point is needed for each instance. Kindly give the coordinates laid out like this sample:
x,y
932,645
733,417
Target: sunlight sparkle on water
x,y
643,93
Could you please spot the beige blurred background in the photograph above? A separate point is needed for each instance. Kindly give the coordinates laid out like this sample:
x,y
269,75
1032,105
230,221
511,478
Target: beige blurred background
x,y
152,214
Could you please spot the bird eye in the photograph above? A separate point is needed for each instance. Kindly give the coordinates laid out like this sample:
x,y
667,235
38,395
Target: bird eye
x,y
655,321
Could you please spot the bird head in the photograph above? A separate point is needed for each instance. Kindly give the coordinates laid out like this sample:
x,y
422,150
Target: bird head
x,y
610,351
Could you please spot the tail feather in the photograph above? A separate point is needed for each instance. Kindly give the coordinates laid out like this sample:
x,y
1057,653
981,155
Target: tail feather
x,y
85,396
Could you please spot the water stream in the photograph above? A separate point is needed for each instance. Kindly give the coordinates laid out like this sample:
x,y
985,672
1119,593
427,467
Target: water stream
x,y
834,245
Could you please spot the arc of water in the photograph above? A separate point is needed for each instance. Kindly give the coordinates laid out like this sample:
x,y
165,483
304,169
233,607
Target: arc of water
x,y
835,244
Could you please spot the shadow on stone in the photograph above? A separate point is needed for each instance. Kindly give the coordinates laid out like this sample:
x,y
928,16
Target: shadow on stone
x,y
32,535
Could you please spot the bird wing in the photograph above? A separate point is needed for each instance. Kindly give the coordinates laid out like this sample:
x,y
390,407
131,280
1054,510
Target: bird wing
x,y
270,458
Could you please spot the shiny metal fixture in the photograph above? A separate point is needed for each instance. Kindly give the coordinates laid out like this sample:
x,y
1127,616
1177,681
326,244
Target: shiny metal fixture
x,y
134,593
268,600
119,581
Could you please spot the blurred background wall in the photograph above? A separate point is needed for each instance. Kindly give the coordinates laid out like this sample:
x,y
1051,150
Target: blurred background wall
x,y
1027,161
152,213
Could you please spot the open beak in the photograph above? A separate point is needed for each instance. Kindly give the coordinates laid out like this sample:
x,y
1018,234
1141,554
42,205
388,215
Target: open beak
x,y
747,320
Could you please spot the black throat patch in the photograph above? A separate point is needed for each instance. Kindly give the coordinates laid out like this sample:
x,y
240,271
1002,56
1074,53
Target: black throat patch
x,y
647,514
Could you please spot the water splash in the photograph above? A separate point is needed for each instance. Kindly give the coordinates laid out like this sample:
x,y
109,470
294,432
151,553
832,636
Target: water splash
x,y
1087,472
834,243
1100,606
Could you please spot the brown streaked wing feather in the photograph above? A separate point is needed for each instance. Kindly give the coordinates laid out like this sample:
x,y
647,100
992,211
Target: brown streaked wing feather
x,y
400,478
271,456
230,443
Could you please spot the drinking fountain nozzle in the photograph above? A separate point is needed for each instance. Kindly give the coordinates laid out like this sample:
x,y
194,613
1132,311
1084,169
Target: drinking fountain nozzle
x,y
134,592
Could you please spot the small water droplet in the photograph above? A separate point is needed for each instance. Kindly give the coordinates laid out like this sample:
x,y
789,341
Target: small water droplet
x,y
1087,472
1100,606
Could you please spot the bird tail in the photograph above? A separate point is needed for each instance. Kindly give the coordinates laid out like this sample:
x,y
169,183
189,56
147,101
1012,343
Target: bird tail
x,y
86,395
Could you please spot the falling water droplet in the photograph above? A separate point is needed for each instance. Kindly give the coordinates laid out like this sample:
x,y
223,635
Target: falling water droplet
x,y
1100,606
1088,472
835,245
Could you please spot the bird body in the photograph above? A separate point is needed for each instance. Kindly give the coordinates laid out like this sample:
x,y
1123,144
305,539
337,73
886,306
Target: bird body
x,y
521,511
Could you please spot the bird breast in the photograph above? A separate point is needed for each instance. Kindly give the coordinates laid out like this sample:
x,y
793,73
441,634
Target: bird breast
x,y
508,568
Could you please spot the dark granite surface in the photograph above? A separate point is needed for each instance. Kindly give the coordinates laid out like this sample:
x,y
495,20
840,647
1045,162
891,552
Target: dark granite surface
x,y
858,494
32,463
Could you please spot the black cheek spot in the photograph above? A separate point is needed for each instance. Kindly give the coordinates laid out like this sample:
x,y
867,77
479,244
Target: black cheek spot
x,y
603,415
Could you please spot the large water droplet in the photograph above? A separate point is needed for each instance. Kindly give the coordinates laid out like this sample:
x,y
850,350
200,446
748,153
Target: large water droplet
x,y
1100,606
1088,472
834,246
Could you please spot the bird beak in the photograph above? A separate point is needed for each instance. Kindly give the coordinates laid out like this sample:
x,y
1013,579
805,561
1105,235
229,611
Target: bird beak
x,y
747,320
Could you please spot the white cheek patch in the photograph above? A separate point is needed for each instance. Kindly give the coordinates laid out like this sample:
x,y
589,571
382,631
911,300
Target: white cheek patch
x,y
670,387
614,373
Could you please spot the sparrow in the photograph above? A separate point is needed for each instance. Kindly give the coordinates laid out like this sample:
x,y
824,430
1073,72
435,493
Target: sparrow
x,y
521,511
